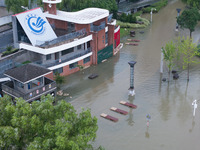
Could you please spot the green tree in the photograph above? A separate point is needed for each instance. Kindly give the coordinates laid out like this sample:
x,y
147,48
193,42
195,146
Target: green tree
x,y
188,51
44,126
192,3
59,79
189,19
169,53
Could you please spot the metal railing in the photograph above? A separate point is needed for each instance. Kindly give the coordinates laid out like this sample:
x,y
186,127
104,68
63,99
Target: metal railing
x,y
63,38
8,88
62,60
95,28
5,65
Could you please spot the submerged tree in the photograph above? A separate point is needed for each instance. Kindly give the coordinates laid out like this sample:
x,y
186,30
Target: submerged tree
x,y
169,53
59,79
44,126
188,51
189,19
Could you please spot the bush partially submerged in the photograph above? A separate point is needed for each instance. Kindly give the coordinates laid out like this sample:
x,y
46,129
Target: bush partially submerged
x,y
156,6
134,25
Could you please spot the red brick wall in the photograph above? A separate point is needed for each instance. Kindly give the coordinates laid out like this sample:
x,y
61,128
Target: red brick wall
x,y
51,21
111,29
50,76
94,48
61,24
101,40
81,26
68,71
51,10
97,23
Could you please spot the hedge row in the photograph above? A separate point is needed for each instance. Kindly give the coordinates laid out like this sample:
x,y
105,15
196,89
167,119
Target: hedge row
x,y
134,25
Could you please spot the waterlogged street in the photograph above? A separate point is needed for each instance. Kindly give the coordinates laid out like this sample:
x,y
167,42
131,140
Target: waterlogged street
x,y
172,125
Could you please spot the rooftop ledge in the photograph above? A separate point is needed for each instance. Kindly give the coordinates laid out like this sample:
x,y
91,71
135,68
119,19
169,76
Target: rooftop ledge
x,y
85,16
52,1
56,48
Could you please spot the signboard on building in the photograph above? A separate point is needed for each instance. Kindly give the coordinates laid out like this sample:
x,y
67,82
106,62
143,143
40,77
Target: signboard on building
x,y
36,26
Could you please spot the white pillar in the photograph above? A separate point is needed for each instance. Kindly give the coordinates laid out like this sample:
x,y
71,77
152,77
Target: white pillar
x,y
194,103
161,62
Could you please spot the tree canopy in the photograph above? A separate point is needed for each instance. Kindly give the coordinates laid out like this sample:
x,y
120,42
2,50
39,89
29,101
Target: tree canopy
x,y
75,5
169,53
44,126
189,19
15,5
188,51
192,3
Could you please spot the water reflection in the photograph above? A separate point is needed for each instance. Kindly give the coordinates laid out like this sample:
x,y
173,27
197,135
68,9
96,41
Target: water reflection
x,y
147,135
130,114
193,124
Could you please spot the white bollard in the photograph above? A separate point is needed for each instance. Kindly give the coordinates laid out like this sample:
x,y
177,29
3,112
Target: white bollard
x,y
194,103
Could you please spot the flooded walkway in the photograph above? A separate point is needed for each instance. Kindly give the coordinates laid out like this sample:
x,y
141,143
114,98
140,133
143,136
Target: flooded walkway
x,y
172,126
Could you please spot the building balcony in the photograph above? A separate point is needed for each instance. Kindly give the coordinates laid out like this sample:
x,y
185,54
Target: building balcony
x,y
61,43
30,95
95,28
67,60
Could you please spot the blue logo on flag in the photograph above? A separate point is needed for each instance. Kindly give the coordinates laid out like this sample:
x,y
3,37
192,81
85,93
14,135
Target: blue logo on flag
x,y
35,24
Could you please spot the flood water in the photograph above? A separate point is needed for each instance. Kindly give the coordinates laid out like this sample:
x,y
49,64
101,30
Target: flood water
x,y
172,125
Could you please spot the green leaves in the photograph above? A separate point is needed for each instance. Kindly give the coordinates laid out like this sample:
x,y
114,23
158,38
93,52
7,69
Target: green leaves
x,y
169,53
43,126
182,50
189,19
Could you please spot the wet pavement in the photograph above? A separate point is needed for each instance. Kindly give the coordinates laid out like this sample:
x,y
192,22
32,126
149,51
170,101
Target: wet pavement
x,y
172,125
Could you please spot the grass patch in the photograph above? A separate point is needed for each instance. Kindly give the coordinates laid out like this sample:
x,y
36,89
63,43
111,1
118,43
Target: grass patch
x,y
124,31
26,62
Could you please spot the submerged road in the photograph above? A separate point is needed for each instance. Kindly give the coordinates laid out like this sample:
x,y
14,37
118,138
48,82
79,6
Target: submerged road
x,y
172,125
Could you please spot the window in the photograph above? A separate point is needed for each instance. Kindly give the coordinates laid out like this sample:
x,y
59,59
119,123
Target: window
x,y
20,85
35,83
86,60
59,70
106,38
74,65
48,57
79,47
88,44
67,51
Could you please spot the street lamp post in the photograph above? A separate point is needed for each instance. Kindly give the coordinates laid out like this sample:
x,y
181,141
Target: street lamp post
x,y
26,8
131,89
178,12
152,12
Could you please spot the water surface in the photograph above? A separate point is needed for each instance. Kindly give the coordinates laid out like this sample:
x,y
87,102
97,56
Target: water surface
x,y
172,126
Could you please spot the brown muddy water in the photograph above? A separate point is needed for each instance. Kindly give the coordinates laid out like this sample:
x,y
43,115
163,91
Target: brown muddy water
x,y
172,125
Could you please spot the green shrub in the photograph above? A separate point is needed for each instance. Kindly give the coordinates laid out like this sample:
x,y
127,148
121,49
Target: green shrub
x,y
156,6
8,52
198,50
26,62
127,18
9,48
138,13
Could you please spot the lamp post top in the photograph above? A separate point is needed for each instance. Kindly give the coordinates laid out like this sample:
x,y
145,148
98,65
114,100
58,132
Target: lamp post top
x,y
132,63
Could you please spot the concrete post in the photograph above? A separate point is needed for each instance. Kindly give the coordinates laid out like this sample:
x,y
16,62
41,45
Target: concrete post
x,y
131,89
